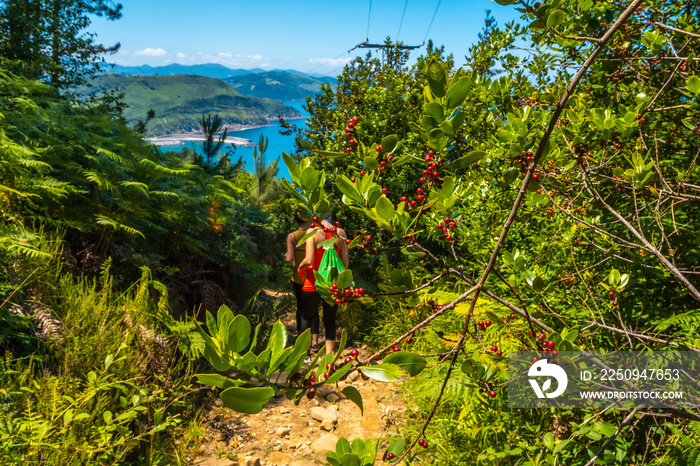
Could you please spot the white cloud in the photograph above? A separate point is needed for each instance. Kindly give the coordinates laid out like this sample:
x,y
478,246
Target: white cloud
x,y
182,56
330,61
149,52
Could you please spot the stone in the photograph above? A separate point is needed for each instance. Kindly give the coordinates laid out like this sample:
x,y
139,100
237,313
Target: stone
x,y
282,431
327,425
333,398
215,462
285,410
353,376
249,461
395,409
321,414
304,463
324,444
325,390
333,408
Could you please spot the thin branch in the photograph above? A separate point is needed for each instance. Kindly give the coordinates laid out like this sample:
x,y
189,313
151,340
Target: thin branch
x,y
626,420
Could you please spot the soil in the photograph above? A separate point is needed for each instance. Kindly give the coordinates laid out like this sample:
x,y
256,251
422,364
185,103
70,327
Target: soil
x,y
285,434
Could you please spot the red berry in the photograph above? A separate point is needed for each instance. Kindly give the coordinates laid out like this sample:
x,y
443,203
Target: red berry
x,y
419,197
492,394
409,340
487,323
362,173
396,348
311,393
499,352
614,303
422,179
354,352
378,148
348,359
542,336
494,349
352,179
512,316
550,343
611,294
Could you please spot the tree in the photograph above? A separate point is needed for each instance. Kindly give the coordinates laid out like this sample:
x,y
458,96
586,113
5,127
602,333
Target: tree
x,y
265,186
46,39
549,209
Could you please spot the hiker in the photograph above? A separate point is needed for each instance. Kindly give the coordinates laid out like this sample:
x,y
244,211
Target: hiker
x,y
310,298
295,255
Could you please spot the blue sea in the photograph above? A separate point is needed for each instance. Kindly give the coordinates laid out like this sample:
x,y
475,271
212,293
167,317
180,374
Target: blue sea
x,y
276,145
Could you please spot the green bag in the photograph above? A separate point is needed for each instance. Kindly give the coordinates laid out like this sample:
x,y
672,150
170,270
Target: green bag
x,y
329,262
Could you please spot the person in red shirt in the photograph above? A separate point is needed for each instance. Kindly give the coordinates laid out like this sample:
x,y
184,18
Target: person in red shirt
x,y
310,298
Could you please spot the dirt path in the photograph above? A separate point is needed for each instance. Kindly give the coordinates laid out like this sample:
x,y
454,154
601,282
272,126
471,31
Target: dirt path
x,y
285,434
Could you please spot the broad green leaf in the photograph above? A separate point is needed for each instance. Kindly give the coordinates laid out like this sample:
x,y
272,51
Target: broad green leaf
x,y
693,84
238,334
435,110
571,336
467,160
436,78
293,168
218,380
353,395
556,18
548,441
348,188
448,187
458,92
309,179
386,372
371,163
390,142
350,459
211,324
436,139
330,154
344,279
339,373
342,447
247,400
277,342
385,208
341,345
413,363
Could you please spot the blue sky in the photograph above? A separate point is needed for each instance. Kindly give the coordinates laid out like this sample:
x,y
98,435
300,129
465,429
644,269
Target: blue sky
x,y
308,36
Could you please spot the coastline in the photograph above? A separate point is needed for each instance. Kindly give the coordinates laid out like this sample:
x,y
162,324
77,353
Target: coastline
x,y
179,139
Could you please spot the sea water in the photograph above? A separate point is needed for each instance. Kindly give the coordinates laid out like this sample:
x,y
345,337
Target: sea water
x,y
277,143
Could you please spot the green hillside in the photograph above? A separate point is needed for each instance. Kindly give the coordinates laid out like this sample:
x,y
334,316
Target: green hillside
x,y
278,85
180,101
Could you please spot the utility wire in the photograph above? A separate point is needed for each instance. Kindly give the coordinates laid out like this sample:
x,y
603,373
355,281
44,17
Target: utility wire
x,y
401,23
324,63
368,18
431,21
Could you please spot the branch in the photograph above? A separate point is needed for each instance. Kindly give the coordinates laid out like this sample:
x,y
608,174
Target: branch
x,y
617,432
681,31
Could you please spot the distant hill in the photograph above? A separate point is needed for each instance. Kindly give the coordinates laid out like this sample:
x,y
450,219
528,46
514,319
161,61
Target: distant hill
x,y
211,70
283,85
180,101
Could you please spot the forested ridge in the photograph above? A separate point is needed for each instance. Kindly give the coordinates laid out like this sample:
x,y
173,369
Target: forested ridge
x,y
543,202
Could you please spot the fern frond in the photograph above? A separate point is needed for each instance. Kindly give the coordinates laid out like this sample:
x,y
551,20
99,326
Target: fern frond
x,y
141,186
101,182
165,193
115,157
106,221
163,169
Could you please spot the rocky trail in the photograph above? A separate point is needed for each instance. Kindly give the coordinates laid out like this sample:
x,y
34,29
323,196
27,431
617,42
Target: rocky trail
x,y
285,434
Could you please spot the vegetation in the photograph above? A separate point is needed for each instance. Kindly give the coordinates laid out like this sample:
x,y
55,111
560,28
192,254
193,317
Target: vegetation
x,y
180,100
282,85
543,203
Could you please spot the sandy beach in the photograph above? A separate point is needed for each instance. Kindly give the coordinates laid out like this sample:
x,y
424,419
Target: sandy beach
x,y
180,139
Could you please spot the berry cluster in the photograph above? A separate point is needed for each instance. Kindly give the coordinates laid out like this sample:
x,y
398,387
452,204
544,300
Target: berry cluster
x,y
430,173
612,296
423,443
345,295
446,226
434,306
350,134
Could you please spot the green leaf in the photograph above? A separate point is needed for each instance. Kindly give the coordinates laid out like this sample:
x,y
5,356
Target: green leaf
x,y
693,84
339,373
556,18
353,395
371,163
218,380
436,78
448,187
436,139
211,324
330,154
458,92
344,279
571,336
389,143
278,340
309,179
413,363
548,440
238,334
467,160
247,400
386,372
385,208
435,110
293,168
348,188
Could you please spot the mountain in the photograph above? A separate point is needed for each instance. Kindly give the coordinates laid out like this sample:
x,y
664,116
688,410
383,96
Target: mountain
x,y
211,70
179,102
283,85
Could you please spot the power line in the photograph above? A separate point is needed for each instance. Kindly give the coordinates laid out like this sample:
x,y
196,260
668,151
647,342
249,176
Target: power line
x,y
368,17
401,23
326,62
431,21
